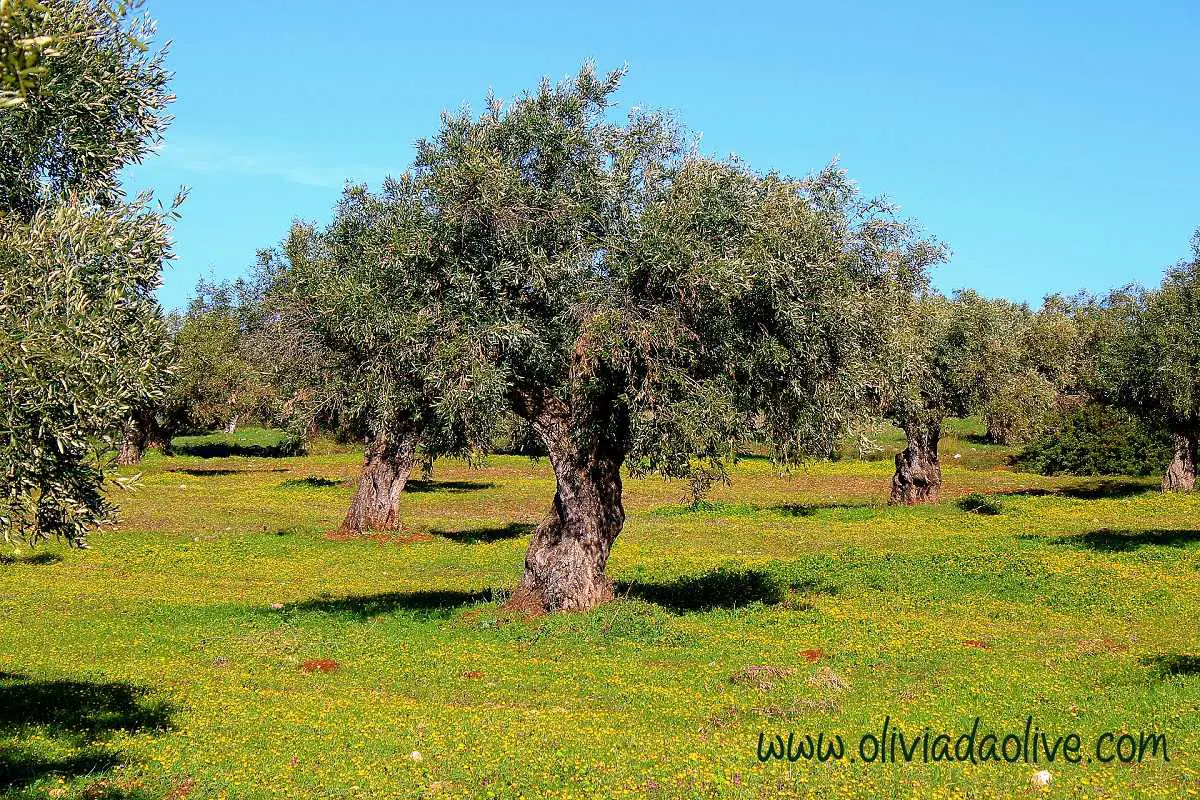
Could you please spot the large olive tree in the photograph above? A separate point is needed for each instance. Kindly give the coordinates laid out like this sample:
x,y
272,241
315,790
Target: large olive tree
x,y
1148,359
81,334
651,309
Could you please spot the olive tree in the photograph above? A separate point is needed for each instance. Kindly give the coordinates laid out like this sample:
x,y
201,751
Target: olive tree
x,y
953,356
1148,360
651,309
357,315
82,337
1024,397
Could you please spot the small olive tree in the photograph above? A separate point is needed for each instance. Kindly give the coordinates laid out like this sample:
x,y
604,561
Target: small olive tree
x,y
82,338
1148,359
360,317
954,356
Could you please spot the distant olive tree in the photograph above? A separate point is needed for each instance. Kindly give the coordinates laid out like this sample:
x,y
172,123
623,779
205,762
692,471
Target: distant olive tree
x,y
1025,398
82,338
650,309
360,318
1148,359
954,356
219,377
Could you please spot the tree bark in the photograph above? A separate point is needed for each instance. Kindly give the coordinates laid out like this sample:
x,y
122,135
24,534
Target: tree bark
x,y
1181,474
141,431
918,477
133,445
567,554
387,464
232,426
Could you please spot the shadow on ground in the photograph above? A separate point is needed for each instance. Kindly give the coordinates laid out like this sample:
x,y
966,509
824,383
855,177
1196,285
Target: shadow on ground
x,y
452,487
1117,541
32,559
364,607
1163,666
73,714
721,588
512,530
1106,489
200,472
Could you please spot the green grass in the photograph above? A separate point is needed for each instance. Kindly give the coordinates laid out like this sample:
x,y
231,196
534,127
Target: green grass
x,y
167,661
248,441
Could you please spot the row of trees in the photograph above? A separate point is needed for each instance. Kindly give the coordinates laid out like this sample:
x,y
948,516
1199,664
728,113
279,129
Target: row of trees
x,y
636,306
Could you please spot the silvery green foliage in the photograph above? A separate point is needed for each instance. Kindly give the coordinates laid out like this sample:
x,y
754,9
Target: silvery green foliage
x,y
362,315
679,306
1148,347
956,355
21,51
82,339
97,106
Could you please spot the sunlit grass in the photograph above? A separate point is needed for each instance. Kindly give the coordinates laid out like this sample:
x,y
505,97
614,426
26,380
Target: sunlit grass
x,y
218,644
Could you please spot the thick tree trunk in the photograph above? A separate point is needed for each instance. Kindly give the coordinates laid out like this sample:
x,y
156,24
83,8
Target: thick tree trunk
x,y
918,477
232,426
1181,474
141,432
386,467
133,445
567,554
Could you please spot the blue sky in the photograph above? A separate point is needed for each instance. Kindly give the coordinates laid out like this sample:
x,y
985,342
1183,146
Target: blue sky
x,y
1053,146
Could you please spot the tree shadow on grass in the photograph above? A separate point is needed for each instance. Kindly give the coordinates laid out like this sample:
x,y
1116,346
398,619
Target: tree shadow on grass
x,y
33,559
1162,666
200,472
1106,489
452,487
424,604
721,588
1116,541
310,482
79,715
513,530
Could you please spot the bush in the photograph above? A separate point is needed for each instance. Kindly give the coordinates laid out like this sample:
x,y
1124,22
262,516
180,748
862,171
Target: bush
x,y
1095,439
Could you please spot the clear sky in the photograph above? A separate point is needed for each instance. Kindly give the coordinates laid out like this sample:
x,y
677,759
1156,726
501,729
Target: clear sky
x,y
1053,145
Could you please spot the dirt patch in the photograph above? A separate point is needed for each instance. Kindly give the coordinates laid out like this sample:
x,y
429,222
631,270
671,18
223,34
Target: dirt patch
x,y
320,665
825,678
815,654
1094,647
978,644
763,678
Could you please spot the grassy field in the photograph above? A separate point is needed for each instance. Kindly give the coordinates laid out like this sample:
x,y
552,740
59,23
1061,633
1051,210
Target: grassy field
x,y
220,644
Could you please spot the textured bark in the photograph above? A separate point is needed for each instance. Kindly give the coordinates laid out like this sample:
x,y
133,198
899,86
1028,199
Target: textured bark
x,y
232,426
567,554
133,446
918,477
1181,474
386,467
141,431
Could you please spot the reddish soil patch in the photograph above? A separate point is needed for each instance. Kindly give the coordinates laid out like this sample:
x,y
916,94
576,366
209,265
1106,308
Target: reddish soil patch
x,y
815,654
472,673
320,665
977,643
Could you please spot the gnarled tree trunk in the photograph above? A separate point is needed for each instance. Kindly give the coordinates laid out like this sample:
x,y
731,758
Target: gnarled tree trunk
x,y
918,477
133,445
141,431
564,565
386,467
1181,474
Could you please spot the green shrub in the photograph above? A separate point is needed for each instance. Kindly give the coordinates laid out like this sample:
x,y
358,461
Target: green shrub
x,y
1097,440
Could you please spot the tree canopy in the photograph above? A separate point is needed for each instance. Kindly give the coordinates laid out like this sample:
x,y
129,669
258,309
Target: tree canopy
x,y
82,338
